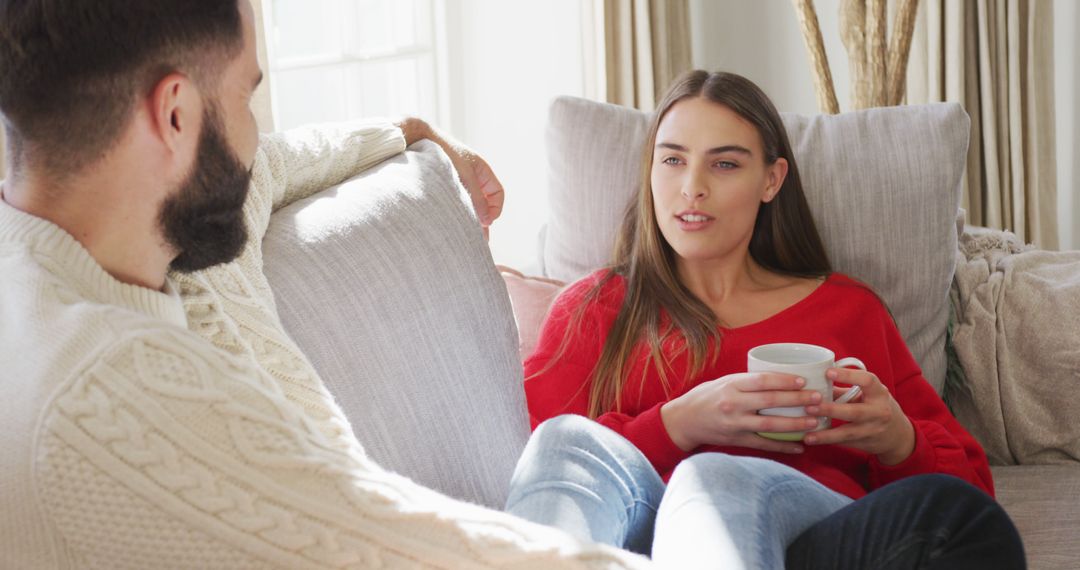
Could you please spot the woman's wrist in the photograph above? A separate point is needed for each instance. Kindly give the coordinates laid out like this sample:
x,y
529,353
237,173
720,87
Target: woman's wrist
x,y
670,414
904,448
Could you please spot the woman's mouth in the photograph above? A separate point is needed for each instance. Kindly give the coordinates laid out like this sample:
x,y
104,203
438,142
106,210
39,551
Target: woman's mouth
x,y
693,221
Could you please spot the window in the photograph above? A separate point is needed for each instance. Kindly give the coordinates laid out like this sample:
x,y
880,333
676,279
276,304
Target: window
x,y
338,60
483,70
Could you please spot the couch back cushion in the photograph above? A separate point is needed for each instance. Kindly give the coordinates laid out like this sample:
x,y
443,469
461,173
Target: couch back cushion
x,y
883,186
387,285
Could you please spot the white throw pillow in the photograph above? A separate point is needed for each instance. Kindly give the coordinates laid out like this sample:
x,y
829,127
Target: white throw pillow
x,y
883,186
387,285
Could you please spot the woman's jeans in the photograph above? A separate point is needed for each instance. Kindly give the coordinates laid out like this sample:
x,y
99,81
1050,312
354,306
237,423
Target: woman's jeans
x,y
724,511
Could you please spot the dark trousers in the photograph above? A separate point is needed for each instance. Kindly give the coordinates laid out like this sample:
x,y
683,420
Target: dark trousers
x,y
926,521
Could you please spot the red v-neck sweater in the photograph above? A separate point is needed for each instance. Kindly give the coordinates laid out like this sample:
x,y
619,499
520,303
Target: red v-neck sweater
x,y
841,315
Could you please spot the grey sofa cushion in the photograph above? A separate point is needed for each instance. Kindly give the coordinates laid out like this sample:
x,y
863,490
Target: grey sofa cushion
x,y
1042,500
386,284
883,186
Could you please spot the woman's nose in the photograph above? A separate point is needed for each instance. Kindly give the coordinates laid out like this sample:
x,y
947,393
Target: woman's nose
x,y
693,189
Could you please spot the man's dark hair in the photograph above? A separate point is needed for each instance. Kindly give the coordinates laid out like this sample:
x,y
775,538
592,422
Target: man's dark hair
x,y
71,70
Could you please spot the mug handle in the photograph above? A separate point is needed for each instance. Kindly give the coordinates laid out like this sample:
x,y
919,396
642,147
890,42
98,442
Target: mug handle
x,y
854,391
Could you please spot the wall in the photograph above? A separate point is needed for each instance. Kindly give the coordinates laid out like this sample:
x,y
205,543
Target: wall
x,y
761,39
506,61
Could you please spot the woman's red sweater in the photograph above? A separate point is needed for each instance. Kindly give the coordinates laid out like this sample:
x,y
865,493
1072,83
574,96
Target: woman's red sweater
x,y
841,315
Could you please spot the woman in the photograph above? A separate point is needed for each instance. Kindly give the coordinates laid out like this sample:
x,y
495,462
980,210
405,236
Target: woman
x,y
717,255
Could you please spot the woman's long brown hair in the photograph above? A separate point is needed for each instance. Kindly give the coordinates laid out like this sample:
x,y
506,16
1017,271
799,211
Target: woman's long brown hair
x,y
784,240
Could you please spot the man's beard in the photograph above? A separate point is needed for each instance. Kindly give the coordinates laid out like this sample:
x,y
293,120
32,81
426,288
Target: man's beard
x,y
203,221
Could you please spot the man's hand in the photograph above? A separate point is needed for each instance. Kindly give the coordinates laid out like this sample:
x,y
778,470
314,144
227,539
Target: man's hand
x,y
476,175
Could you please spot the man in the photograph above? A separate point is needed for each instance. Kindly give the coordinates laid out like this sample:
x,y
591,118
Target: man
x,y
154,413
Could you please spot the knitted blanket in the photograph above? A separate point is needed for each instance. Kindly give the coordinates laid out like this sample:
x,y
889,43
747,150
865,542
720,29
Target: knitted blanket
x,y
1017,337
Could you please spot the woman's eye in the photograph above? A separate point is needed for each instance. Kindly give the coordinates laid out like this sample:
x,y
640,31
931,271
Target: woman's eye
x,y
726,164
672,160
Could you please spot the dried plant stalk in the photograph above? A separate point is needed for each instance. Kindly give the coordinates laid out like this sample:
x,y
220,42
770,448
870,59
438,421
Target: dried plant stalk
x,y
815,47
853,36
877,57
900,50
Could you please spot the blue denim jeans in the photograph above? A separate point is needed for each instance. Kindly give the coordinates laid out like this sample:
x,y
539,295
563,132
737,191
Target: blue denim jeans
x,y
723,511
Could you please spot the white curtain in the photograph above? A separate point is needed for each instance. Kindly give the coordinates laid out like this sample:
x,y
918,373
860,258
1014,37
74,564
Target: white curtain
x,y
3,161
995,57
646,46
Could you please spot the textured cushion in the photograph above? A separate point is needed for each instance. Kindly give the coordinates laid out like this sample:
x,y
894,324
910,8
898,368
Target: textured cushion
x,y
883,186
386,284
1044,502
531,298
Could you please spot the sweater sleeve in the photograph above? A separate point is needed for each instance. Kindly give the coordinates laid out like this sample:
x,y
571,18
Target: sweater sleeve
x,y
557,375
295,164
309,159
942,445
167,454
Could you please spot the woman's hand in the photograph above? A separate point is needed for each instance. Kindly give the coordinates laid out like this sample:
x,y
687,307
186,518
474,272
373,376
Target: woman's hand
x,y
724,412
876,424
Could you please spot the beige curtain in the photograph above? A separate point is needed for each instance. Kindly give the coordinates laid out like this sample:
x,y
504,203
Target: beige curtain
x,y
995,57
260,102
646,46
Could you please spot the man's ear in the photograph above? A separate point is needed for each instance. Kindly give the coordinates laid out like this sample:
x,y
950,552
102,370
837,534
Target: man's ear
x,y
777,172
175,111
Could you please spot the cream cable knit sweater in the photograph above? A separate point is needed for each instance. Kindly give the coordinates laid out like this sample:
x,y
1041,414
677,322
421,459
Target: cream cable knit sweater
x,y
183,429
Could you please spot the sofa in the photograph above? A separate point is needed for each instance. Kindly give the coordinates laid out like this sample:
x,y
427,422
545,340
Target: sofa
x,y
387,285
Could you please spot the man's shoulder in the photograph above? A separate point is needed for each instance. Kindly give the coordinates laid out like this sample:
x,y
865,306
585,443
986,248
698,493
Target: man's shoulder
x,y
54,332
168,380
132,357
153,354
171,433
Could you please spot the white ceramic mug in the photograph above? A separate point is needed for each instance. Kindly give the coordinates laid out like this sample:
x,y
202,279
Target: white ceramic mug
x,y
809,362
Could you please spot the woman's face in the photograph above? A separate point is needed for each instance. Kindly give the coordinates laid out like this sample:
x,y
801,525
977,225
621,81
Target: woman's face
x,y
709,177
